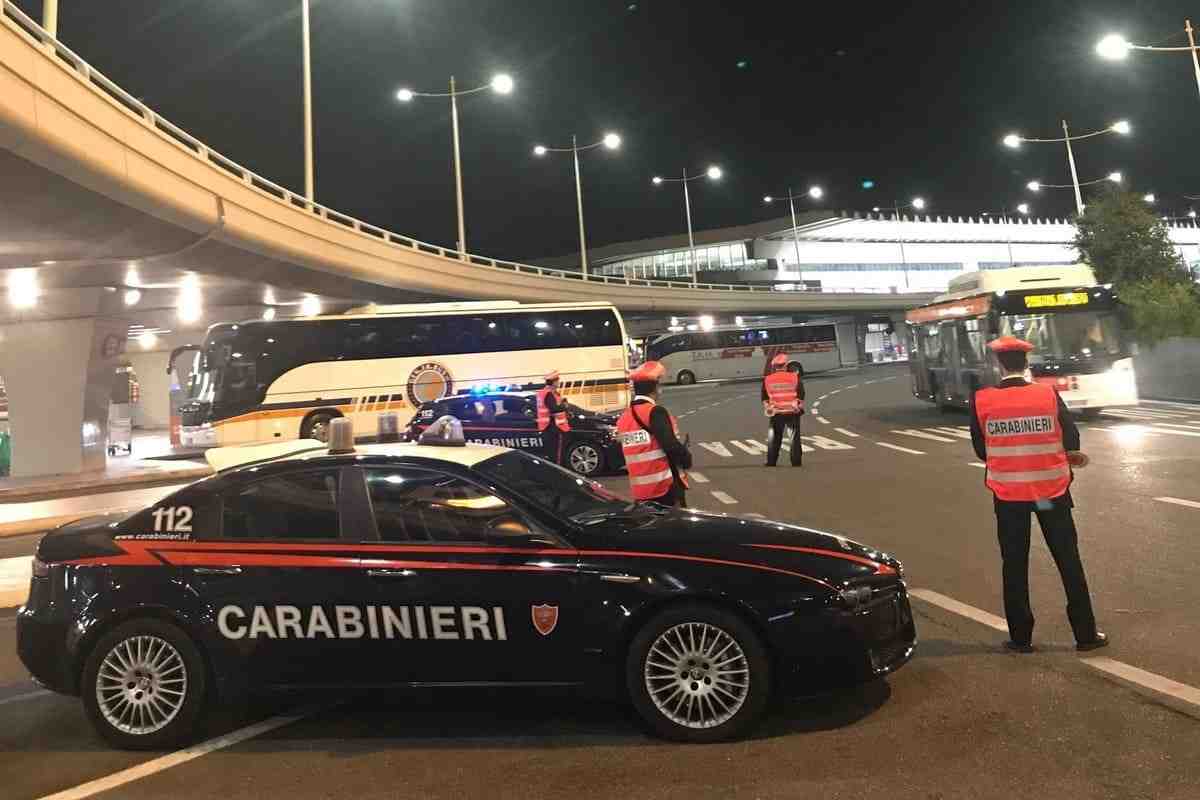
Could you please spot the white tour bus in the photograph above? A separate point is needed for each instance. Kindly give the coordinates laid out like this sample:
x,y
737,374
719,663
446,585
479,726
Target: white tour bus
x,y
286,379
1079,346
734,351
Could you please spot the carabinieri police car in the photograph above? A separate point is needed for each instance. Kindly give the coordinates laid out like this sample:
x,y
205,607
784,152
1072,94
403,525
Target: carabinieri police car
x,y
301,565
509,419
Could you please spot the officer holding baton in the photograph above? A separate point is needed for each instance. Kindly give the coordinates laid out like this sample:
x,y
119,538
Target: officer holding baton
x,y
1025,434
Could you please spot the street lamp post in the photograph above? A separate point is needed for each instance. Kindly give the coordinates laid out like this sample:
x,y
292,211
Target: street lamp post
x,y
1122,127
611,141
816,193
713,173
917,204
500,84
1115,47
306,46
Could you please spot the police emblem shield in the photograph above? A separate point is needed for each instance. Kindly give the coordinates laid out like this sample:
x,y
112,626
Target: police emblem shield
x,y
545,618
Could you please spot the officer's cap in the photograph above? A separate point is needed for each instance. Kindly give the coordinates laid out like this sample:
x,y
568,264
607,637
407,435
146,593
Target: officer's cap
x,y
650,371
779,360
1009,344
552,376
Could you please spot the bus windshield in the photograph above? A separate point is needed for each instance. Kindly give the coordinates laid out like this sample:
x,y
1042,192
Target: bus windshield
x,y
1058,336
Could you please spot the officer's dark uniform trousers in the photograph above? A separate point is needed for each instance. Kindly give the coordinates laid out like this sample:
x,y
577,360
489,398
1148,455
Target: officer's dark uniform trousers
x,y
779,426
1013,524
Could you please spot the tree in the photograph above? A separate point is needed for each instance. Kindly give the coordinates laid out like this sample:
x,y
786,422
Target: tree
x,y
1126,245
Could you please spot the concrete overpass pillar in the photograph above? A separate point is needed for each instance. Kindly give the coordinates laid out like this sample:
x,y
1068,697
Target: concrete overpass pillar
x,y
58,373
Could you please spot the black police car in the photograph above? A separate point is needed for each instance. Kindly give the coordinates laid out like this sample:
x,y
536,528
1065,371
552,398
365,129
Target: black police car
x,y
410,565
509,419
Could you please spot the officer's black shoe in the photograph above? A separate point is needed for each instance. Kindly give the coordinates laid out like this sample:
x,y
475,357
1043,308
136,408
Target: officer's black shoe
x,y
1019,647
1101,640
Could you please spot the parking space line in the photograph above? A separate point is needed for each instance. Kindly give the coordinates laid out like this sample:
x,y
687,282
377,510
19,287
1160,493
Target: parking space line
x,y
183,756
962,609
901,449
845,432
724,498
697,477
1178,501
1177,695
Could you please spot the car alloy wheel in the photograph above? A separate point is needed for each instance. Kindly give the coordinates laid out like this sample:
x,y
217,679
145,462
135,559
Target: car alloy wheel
x,y
697,675
141,685
584,459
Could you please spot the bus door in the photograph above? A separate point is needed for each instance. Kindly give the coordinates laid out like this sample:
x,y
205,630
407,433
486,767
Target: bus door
x,y
970,360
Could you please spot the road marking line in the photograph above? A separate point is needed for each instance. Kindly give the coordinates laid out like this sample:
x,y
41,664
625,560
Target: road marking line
x,y
951,432
697,477
962,609
717,449
825,443
1138,429
1178,501
1160,427
822,397
822,420
1193,407
923,435
183,756
901,449
1187,426
845,432
855,386
978,464
1177,695
724,498
750,446
27,696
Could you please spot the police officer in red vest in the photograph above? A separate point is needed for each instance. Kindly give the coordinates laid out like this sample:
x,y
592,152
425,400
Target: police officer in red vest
x,y
1029,442
552,408
783,400
657,461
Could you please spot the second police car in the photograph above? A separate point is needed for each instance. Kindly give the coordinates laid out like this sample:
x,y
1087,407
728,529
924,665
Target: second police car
x,y
509,419
301,566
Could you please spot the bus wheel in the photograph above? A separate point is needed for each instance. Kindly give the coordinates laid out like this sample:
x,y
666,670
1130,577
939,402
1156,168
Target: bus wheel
x,y
686,378
317,425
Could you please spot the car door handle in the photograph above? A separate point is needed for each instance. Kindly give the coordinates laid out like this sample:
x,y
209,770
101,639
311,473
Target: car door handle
x,y
217,570
620,577
391,573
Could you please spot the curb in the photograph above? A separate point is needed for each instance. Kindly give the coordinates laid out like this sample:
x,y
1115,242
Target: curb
x,y
28,526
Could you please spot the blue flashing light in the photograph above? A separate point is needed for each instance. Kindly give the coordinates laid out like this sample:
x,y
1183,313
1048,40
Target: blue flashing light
x,y
868,184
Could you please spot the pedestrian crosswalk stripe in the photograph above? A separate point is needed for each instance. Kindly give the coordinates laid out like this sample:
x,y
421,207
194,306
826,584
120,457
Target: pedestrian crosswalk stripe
x,y
697,477
717,448
851,434
901,449
922,435
724,498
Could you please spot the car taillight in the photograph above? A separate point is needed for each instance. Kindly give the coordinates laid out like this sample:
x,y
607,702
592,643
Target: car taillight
x,y
40,568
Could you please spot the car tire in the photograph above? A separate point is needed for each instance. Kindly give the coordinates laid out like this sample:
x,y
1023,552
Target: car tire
x,y
585,459
316,425
681,696
139,658
685,378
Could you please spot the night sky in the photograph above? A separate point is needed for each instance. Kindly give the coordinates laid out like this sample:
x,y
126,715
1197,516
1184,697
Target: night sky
x,y
915,96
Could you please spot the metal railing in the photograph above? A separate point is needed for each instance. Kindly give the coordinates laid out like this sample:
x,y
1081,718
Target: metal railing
x,y
97,82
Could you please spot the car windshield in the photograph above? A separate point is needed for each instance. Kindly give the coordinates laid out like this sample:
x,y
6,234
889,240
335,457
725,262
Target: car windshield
x,y
563,493
1067,335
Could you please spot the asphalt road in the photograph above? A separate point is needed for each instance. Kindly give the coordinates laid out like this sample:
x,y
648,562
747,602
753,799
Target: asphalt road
x,y
963,719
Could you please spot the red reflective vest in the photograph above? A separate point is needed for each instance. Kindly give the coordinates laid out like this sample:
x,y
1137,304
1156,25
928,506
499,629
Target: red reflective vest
x,y
1025,456
650,474
783,392
543,410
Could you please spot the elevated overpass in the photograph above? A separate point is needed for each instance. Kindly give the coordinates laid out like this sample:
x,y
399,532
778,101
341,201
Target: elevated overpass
x,y
124,182
97,187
